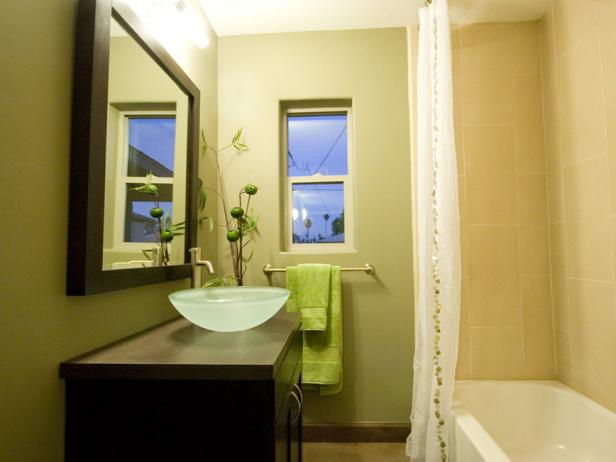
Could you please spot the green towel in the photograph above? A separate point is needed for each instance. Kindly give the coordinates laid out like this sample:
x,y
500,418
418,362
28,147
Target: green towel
x,y
322,350
309,286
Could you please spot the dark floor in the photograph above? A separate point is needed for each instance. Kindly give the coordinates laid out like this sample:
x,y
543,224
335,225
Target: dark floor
x,y
354,452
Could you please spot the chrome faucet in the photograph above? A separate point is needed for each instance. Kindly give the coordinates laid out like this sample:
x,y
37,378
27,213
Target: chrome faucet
x,y
196,264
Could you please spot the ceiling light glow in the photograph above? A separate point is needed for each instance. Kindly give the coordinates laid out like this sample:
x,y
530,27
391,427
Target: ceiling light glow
x,y
172,21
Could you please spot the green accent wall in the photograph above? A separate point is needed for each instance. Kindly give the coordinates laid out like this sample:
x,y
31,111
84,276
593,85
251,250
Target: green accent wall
x,y
39,325
370,67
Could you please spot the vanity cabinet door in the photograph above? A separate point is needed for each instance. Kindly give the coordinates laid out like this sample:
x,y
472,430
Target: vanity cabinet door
x,y
282,433
295,425
289,428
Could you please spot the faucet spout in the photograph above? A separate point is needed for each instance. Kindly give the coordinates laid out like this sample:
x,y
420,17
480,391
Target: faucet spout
x,y
196,264
208,265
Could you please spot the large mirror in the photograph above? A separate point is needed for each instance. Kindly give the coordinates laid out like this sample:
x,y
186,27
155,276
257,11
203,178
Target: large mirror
x,y
145,167
133,172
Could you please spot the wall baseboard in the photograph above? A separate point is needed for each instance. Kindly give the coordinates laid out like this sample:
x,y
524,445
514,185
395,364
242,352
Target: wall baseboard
x,y
368,432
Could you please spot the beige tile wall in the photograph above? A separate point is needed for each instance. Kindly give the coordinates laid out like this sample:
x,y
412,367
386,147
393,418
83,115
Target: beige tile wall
x,y
578,56
506,328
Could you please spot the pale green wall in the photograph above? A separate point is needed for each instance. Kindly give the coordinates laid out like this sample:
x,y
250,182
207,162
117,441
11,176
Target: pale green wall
x,y
255,72
39,325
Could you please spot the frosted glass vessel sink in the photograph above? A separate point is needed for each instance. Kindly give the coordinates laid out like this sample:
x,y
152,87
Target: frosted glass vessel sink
x,y
229,309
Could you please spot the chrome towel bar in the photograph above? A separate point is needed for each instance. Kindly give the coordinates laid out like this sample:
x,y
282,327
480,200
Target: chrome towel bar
x,y
367,268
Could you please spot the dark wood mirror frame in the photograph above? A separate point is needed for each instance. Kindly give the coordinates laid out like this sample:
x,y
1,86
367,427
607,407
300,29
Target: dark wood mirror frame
x,y
85,275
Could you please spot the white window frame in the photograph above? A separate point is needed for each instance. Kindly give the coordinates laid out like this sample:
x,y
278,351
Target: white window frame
x,y
346,180
122,179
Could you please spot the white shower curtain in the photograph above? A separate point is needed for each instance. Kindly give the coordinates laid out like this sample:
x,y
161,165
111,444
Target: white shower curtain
x,y
437,312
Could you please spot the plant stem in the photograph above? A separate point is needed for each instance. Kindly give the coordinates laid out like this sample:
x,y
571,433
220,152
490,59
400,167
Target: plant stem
x,y
248,204
242,244
163,246
237,269
215,191
240,259
224,203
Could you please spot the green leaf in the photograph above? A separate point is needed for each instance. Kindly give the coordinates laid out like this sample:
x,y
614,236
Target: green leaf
x,y
241,147
210,221
216,282
147,187
221,281
237,136
251,223
202,195
164,220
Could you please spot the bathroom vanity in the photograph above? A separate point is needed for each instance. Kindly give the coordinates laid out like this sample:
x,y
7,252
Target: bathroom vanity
x,y
177,392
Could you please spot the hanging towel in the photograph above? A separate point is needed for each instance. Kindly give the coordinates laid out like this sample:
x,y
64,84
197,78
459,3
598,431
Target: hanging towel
x,y
310,286
322,350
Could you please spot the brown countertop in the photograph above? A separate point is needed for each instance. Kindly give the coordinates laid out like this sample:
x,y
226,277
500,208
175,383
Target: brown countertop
x,y
182,351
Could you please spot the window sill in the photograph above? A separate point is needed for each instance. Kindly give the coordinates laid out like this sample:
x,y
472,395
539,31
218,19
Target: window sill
x,y
338,251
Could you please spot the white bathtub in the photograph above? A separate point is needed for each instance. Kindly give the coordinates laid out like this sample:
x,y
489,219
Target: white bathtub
x,y
529,421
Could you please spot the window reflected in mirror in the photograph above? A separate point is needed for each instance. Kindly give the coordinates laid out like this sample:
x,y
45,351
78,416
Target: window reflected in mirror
x,y
145,169
139,225
151,144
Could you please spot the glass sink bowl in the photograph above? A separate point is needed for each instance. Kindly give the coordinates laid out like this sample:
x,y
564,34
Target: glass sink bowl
x,y
229,309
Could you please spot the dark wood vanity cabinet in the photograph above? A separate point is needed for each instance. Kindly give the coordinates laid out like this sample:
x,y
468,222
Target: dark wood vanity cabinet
x,y
181,393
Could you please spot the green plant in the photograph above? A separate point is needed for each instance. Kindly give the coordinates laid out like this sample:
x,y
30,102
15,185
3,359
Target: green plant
x,y
338,224
308,225
240,222
166,229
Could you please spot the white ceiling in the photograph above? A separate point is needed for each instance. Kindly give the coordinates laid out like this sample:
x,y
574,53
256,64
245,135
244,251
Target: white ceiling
x,y
241,17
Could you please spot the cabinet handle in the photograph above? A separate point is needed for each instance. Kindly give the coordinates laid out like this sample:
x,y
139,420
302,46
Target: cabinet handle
x,y
301,394
299,406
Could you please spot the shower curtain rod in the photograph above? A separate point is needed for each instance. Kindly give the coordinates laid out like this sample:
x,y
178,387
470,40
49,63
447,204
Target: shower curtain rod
x,y
368,268
428,2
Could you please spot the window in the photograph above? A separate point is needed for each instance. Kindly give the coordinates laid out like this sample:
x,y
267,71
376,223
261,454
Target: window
x,y
319,208
147,144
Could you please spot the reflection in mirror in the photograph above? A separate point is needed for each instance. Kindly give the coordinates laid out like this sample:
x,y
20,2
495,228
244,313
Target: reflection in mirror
x,y
145,168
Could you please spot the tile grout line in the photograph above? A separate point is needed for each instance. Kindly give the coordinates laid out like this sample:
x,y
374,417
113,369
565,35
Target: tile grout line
x,y
518,227
586,159
465,193
542,31
486,125
574,44
610,173
559,112
600,281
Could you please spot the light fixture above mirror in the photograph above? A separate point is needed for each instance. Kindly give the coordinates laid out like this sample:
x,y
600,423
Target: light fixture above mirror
x,y
172,19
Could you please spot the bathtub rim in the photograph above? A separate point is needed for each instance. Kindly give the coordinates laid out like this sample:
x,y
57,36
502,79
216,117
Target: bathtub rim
x,y
486,444
552,384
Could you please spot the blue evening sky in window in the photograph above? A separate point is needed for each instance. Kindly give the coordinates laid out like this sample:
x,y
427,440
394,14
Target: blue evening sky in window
x,y
139,226
317,144
155,137
143,208
315,201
